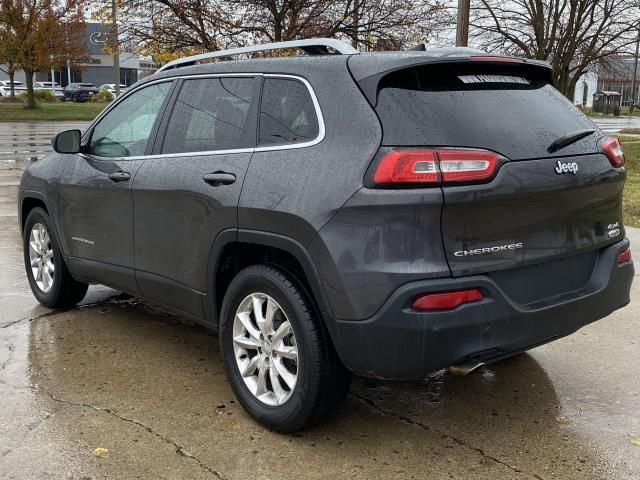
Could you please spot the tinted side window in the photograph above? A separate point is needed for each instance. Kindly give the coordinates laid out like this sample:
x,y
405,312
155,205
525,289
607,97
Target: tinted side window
x,y
211,114
287,113
125,130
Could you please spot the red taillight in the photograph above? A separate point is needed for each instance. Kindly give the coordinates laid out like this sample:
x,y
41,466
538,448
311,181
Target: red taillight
x,y
446,300
613,150
435,166
408,166
624,256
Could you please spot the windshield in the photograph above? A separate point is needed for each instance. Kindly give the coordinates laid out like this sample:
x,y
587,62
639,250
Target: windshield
x,y
504,110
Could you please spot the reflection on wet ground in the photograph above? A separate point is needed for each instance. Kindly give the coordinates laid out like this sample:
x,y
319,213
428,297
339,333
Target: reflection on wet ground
x,y
21,141
121,375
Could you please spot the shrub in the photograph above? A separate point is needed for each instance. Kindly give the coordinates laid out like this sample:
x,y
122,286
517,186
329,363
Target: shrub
x,y
103,96
44,96
9,99
40,96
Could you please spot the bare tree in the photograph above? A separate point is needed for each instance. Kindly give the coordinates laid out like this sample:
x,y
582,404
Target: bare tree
x,y
185,26
573,35
370,24
165,29
379,24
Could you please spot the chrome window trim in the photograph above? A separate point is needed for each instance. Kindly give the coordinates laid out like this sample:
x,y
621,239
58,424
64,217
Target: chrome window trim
x,y
288,146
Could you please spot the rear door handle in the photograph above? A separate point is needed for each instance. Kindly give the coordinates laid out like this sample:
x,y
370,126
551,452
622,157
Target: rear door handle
x,y
219,178
120,176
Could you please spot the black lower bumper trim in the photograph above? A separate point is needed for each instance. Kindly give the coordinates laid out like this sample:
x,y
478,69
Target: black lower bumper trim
x,y
398,343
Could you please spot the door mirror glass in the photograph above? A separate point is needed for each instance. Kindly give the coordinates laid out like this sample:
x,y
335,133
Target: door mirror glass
x,y
67,142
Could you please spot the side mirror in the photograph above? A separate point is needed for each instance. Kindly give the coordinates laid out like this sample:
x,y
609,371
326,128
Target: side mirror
x,y
67,142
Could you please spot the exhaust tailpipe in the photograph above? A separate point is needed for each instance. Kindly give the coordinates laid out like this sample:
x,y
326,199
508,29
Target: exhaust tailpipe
x,y
465,368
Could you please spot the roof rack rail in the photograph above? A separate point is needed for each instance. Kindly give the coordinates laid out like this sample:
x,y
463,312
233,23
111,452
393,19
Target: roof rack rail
x,y
312,46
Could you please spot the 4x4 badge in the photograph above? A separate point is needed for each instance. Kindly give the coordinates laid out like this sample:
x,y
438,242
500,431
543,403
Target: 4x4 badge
x,y
566,167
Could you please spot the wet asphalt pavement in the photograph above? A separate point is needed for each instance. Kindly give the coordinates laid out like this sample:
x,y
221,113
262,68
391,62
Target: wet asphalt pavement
x,y
121,375
615,124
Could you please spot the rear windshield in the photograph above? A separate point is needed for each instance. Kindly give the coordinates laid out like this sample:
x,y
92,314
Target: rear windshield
x,y
509,111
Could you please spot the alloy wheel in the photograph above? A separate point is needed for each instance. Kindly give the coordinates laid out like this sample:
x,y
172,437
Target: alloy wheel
x,y
265,349
41,257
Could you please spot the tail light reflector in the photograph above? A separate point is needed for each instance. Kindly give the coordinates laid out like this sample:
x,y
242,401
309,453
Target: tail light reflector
x,y
624,256
467,166
613,150
435,166
445,300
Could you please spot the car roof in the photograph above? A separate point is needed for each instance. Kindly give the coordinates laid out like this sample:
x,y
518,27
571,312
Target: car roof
x,y
362,65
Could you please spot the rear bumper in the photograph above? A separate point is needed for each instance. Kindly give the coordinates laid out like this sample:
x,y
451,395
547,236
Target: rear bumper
x,y
398,343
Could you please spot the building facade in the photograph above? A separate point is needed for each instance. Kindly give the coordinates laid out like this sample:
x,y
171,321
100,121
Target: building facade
x,y
99,66
613,75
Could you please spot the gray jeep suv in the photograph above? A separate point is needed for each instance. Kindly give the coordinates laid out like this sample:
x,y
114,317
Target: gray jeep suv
x,y
384,214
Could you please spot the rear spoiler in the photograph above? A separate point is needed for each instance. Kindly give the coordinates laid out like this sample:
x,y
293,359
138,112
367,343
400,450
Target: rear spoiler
x,y
367,71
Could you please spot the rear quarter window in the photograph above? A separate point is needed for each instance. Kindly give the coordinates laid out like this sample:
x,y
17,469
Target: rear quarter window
x,y
507,110
287,113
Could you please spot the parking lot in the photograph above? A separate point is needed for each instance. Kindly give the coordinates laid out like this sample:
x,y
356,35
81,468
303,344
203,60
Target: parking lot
x,y
120,389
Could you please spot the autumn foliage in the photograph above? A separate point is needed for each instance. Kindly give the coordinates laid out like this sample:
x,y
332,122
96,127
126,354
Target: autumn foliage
x,y
40,34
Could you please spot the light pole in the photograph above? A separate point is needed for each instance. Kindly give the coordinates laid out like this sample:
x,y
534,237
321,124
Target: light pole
x,y
53,77
462,27
635,73
115,46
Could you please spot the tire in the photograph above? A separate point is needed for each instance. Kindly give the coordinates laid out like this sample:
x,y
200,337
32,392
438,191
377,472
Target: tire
x,y
63,291
322,380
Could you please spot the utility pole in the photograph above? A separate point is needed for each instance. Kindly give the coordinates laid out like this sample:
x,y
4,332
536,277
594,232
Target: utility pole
x,y
53,77
462,30
635,74
115,46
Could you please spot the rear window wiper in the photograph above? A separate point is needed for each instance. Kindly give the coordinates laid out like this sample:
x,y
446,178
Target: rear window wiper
x,y
568,139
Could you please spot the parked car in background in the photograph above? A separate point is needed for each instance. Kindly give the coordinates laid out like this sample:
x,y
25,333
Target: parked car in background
x,y
79,92
57,89
5,88
111,88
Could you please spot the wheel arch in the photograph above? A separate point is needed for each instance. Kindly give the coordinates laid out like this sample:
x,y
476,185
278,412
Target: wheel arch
x,y
261,247
28,201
